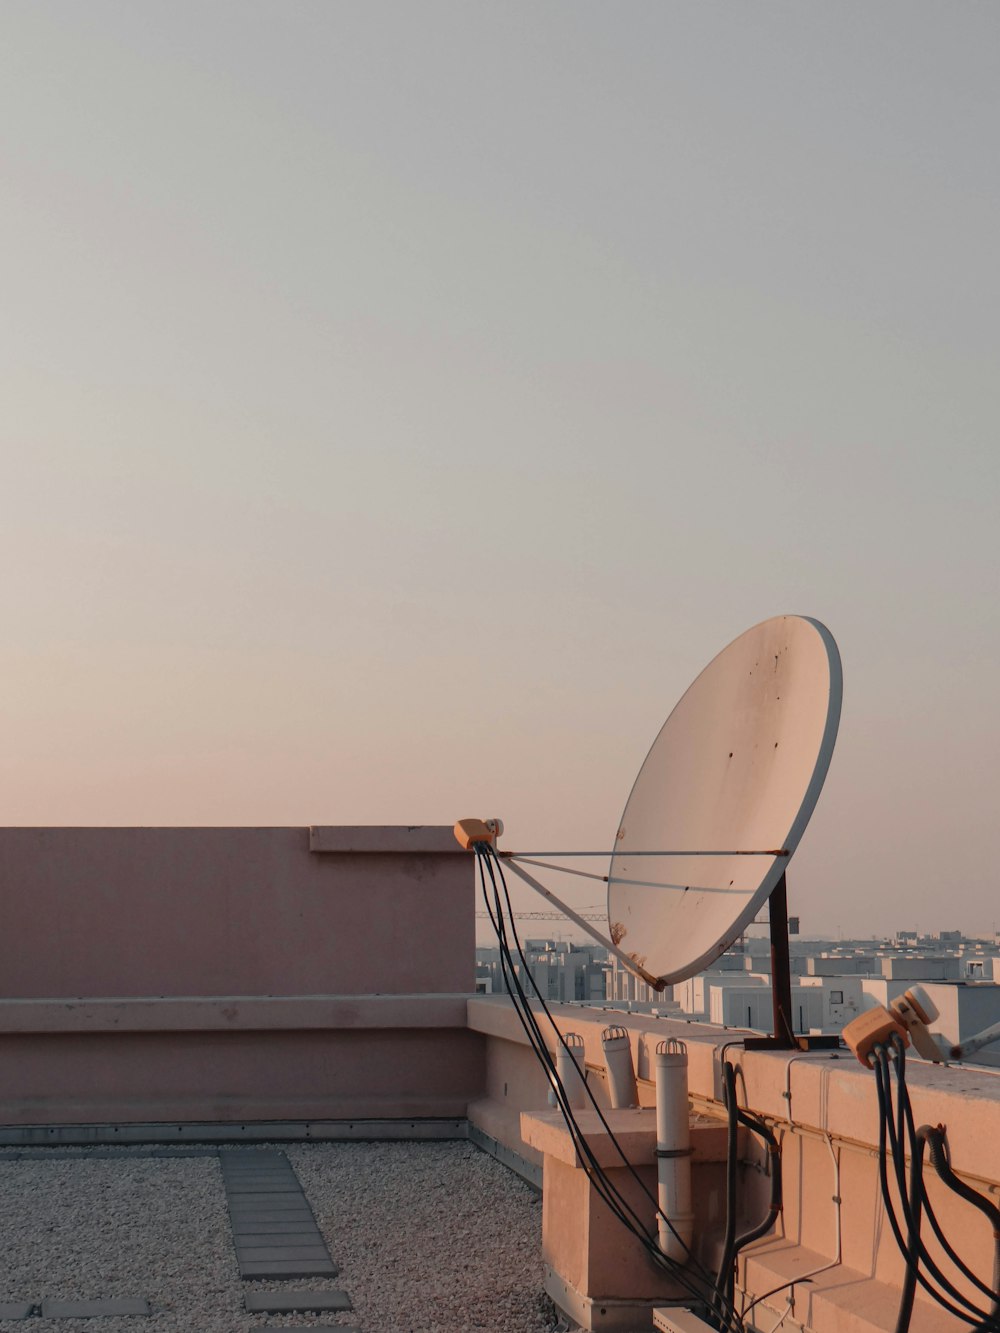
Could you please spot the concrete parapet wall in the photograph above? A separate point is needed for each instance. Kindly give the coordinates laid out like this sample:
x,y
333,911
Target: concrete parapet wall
x,y
235,974
307,1058
823,1107
234,911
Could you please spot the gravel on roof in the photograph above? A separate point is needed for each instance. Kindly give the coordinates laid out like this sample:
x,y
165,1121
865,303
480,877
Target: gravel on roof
x,y
430,1238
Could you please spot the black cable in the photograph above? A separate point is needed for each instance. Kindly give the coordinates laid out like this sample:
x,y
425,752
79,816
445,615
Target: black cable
x,y
596,1106
724,1281
774,1208
733,1244
702,1271
888,1141
887,1132
758,1126
920,1202
912,1255
614,1200
938,1151
604,1187
533,1032
594,1171
910,1207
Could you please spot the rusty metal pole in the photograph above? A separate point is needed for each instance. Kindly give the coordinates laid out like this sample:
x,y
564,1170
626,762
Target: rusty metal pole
x,y
781,970
783,1037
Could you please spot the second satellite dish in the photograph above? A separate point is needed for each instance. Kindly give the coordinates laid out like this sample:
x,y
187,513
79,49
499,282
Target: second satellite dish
x,y
730,783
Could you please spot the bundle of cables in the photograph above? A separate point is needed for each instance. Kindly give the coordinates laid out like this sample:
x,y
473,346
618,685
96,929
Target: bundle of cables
x,y
898,1137
712,1293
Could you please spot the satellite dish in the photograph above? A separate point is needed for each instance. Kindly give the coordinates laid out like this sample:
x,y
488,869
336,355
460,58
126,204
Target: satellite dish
x,y
724,796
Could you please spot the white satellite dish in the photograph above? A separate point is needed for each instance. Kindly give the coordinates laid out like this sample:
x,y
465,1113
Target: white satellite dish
x,y
724,797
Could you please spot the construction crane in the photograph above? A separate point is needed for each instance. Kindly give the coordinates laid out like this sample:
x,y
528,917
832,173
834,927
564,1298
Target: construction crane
x,y
548,916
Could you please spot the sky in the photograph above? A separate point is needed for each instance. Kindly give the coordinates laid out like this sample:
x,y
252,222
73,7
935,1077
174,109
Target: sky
x,y
404,402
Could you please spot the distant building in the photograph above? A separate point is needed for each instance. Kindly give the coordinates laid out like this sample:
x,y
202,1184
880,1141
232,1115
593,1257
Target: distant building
x,y
831,982
561,972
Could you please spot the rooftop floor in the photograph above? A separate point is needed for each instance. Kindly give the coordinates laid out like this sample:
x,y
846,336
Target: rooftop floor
x,y
429,1237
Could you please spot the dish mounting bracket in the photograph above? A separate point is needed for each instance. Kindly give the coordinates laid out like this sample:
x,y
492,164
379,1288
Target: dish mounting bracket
x,y
783,1036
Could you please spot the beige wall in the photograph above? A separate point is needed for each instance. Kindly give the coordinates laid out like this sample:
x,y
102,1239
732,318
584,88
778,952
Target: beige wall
x,y
823,1107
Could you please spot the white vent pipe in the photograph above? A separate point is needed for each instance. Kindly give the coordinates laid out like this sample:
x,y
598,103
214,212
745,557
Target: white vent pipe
x,y
673,1150
570,1069
618,1063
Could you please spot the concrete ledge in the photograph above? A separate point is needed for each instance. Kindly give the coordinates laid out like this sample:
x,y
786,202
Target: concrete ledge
x,y
828,1090
838,1300
229,1013
385,839
600,1315
634,1130
269,1131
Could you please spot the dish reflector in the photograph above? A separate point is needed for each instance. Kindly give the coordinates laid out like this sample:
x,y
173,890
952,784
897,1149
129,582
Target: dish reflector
x,y
731,779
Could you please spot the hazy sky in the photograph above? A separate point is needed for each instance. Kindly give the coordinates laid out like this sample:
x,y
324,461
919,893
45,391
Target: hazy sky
x,y
403,402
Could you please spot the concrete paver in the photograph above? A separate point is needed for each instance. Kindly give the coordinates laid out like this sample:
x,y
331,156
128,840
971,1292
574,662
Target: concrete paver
x,y
261,1253
15,1309
276,1203
262,1195
283,1184
295,1302
247,1240
292,1216
245,1205
55,1309
259,1224
274,1269
311,1248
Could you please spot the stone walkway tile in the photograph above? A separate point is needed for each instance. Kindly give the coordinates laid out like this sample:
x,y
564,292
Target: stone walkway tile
x,y
265,1169
248,1240
273,1269
237,1157
258,1224
262,1164
283,1213
266,1197
253,1217
271,1173
282,1184
93,1309
295,1302
15,1309
255,1188
275,1200
283,1253
258,1173
262,1168
261,1194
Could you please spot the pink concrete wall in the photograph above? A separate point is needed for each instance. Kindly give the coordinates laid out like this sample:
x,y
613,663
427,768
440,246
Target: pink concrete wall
x,y
234,911
235,974
121,1078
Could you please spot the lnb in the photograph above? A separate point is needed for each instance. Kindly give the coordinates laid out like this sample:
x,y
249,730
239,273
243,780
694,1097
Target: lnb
x,y
468,832
908,1016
